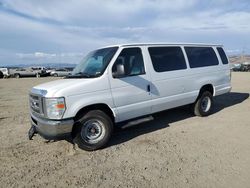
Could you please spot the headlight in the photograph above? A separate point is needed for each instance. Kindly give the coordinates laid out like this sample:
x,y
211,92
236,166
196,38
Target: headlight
x,y
55,107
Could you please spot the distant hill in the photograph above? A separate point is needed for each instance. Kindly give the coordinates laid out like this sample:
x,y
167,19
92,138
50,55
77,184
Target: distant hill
x,y
239,59
48,65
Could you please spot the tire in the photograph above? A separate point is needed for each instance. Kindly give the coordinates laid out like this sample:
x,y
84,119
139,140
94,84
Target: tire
x,y
93,130
1,74
55,75
204,104
17,75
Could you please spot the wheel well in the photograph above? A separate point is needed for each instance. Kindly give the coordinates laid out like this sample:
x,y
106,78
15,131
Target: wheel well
x,y
207,87
103,107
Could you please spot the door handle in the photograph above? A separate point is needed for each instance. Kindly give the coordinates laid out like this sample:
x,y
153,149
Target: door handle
x,y
148,88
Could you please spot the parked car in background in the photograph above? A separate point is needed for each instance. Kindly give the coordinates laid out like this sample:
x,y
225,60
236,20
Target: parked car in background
x,y
29,72
4,73
60,72
49,70
240,67
24,72
246,66
237,67
40,71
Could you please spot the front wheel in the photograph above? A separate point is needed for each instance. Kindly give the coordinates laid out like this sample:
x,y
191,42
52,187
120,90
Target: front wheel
x,y
93,130
203,105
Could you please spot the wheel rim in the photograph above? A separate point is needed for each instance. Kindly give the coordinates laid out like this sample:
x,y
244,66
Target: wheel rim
x,y
206,104
93,131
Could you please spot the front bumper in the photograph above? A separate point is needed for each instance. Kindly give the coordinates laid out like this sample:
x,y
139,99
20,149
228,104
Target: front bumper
x,y
52,129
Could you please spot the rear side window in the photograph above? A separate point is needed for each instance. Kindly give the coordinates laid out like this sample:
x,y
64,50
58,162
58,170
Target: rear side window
x,y
222,56
201,56
167,58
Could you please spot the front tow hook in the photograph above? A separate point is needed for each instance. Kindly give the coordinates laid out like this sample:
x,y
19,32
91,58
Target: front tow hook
x,y
32,132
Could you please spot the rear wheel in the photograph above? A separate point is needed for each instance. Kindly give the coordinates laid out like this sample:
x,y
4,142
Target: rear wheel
x,y
203,105
55,75
93,130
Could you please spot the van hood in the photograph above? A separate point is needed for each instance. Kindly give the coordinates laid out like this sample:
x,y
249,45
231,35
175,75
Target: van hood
x,y
67,87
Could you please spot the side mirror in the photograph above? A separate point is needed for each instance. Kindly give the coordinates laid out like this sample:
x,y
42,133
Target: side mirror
x,y
120,71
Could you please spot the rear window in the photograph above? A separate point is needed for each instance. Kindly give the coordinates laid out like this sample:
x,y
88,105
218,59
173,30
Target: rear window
x,y
201,56
222,56
167,58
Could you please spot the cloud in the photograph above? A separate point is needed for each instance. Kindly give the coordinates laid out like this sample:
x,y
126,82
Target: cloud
x,y
39,55
35,55
53,27
42,57
111,12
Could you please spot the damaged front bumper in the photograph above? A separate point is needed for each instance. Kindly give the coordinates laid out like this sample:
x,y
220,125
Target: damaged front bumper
x,y
50,129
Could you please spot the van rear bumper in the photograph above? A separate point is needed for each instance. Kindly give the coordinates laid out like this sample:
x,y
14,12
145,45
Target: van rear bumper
x,y
52,129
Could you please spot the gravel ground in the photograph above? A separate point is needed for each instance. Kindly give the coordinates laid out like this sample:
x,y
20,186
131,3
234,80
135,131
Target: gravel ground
x,y
177,149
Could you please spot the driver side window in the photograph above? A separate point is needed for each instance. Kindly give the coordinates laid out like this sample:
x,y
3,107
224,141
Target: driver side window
x,y
132,60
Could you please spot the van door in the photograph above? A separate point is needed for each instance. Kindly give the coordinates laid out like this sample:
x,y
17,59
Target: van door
x,y
131,92
169,78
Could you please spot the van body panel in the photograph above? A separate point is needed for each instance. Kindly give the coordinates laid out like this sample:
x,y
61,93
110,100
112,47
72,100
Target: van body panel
x,y
130,95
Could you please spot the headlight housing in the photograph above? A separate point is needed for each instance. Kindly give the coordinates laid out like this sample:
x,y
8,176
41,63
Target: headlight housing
x,y
54,107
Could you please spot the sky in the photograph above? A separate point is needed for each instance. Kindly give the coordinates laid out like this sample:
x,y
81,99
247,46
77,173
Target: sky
x,y
63,31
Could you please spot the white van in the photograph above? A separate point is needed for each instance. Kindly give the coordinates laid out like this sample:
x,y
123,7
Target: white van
x,y
125,83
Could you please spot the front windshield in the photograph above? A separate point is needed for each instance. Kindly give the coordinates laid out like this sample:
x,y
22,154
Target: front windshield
x,y
94,64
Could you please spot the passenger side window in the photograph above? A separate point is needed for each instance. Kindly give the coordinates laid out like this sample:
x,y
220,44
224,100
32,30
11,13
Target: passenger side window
x,y
132,60
167,58
201,56
223,56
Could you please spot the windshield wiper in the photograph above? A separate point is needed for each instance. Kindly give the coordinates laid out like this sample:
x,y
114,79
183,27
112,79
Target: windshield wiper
x,y
80,75
83,74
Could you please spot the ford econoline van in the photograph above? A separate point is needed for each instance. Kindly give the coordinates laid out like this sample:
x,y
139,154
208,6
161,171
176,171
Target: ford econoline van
x,y
127,83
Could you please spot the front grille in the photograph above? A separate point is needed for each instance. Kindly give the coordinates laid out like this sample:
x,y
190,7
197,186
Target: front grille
x,y
36,104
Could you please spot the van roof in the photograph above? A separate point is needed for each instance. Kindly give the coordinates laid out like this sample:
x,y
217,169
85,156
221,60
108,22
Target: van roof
x,y
166,44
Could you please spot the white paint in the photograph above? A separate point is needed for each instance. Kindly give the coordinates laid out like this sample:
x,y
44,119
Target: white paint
x,y
128,97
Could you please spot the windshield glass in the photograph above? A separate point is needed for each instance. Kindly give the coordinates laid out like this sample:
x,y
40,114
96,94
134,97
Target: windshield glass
x,y
94,64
